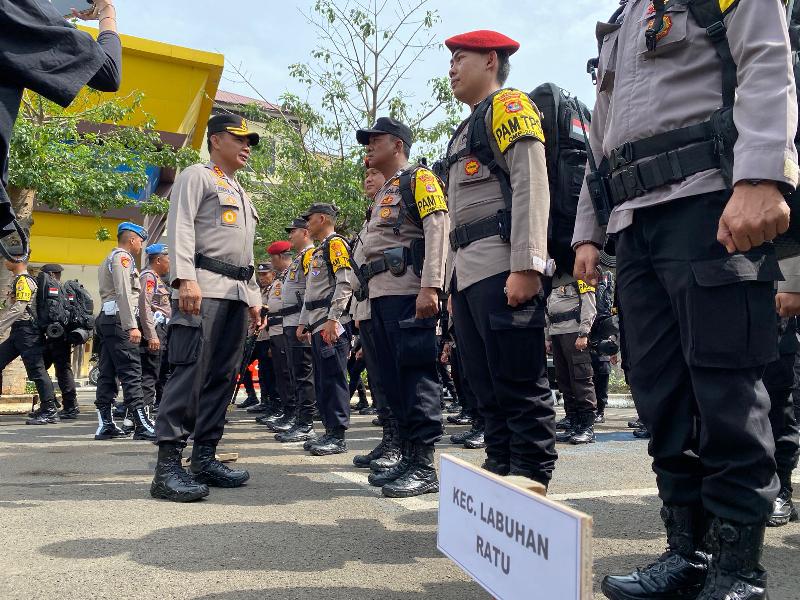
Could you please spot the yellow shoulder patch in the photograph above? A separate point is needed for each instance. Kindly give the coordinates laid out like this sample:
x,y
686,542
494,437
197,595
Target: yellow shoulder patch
x,y
307,260
428,193
514,118
23,291
584,287
724,5
339,255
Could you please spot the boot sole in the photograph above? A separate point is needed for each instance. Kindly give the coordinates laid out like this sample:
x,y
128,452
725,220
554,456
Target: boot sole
x,y
376,469
318,452
103,438
227,483
159,492
574,443
474,446
781,521
615,594
430,488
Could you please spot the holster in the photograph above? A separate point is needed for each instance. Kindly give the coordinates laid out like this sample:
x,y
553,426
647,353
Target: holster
x,y
417,251
397,260
725,136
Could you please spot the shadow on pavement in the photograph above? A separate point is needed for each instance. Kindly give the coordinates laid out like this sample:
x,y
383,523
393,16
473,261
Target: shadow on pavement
x,y
439,591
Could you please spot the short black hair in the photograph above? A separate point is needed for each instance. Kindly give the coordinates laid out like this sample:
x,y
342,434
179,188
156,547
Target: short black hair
x,y
406,147
503,67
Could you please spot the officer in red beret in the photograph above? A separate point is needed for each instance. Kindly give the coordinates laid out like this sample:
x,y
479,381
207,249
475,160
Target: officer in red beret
x,y
494,268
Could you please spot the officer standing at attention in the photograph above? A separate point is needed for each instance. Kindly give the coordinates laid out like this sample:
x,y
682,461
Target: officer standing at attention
x,y
700,84
324,314
118,328
58,353
269,402
210,232
570,313
154,313
25,338
293,294
405,247
499,204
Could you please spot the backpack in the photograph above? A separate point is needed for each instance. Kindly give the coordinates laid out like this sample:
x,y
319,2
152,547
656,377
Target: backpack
x,y
52,306
81,314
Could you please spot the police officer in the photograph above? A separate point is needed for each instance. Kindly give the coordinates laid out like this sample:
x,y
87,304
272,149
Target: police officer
x,y
118,328
58,353
269,402
694,277
154,313
25,338
571,311
405,247
324,314
293,293
210,232
604,341
499,202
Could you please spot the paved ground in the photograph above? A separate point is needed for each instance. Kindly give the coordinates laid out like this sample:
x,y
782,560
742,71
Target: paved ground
x,y
78,523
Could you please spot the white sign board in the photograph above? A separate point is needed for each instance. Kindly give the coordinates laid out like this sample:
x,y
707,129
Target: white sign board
x,y
517,544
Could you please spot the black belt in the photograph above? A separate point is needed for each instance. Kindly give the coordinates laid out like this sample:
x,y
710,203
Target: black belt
x,y
315,324
464,235
289,310
323,303
572,315
223,268
370,269
272,321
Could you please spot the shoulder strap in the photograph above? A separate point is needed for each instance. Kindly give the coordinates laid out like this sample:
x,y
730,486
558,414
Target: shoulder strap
x,y
326,253
408,206
709,15
113,255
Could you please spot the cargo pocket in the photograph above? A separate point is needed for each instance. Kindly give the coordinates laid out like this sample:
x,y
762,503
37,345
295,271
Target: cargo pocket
x,y
516,343
417,344
582,365
732,311
185,340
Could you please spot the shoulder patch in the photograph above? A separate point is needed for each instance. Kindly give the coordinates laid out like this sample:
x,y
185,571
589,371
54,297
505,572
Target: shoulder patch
x,y
514,118
428,193
725,5
339,255
307,260
22,290
584,287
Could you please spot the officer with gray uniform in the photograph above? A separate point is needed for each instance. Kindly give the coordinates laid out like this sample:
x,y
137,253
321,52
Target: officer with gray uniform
x,y
693,134
405,247
154,313
118,329
210,232
499,205
324,314
570,313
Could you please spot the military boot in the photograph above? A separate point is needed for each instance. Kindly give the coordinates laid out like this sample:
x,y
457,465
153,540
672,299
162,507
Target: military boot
x,y
391,453
584,431
565,435
250,401
285,423
475,439
565,423
458,438
462,418
171,481
143,428
207,469
271,417
362,461
642,433
260,408
381,478
48,415
784,509
600,417
321,440
679,573
107,429
301,432
336,444
495,466
420,477
70,411
736,572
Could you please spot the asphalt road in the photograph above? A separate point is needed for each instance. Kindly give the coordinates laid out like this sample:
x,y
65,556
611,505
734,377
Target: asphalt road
x,y
78,522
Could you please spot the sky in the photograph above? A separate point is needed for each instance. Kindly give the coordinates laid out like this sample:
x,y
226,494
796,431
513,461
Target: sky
x,y
265,37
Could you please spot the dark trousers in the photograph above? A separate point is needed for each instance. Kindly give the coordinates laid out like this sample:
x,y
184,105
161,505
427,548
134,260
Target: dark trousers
x,y
284,380
372,360
119,359
504,357
330,380
574,374
699,330
151,367
602,374
164,372
355,367
206,352
266,374
406,351
466,395
303,373
58,353
445,376
26,341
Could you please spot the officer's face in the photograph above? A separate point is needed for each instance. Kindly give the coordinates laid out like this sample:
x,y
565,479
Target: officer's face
x,y
264,279
373,182
298,238
469,74
280,262
231,149
315,225
382,150
161,264
136,244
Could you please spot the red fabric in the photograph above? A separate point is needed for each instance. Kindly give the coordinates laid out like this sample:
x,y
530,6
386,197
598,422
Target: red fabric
x,y
279,247
482,40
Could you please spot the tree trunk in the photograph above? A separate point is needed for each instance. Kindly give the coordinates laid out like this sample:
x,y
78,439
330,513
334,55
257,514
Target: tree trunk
x,y
14,375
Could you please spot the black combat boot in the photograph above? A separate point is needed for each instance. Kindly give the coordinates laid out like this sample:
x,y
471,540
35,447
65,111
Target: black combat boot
x,y
47,415
70,411
564,436
635,424
319,440
784,509
381,478
271,417
207,469
475,439
391,453
250,401
584,432
642,433
142,427
107,429
301,432
370,410
565,423
420,477
260,408
171,481
458,438
679,573
336,444
736,572
600,417
497,467
285,423
462,418
362,461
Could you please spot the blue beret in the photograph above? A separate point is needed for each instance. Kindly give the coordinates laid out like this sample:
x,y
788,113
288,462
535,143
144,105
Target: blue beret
x,y
137,229
154,249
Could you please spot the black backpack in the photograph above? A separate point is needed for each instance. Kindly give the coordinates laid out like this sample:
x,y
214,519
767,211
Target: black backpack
x,y
81,306
52,307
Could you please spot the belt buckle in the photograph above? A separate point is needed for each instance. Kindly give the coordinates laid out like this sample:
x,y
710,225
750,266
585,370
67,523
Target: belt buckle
x,y
631,183
462,237
621,156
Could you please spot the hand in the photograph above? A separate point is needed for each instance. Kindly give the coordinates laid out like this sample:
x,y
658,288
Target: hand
x,y
548,346
755,214
153,345
447,349
581,344
427,303
189,297
256,322
99,7
615,359
587,258
360,354
330,332
521,286
301,334
787,304
134,335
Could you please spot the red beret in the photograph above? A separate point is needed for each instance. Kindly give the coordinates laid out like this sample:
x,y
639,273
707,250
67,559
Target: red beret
x,y
482,40
279,247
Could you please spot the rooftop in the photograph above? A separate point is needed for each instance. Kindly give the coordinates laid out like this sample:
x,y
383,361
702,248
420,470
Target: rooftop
x,y
231,98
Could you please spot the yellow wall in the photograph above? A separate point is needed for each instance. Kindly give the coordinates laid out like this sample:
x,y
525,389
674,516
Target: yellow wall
x,y
70,239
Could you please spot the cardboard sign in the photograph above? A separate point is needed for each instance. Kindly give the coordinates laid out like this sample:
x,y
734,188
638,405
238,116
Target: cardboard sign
x,y
514,542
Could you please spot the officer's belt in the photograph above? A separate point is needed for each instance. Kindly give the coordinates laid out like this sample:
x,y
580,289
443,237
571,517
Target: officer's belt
x,y
463,235
316,324
272,321
289,310
323,303
223,268
570,315
665,158
376,267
